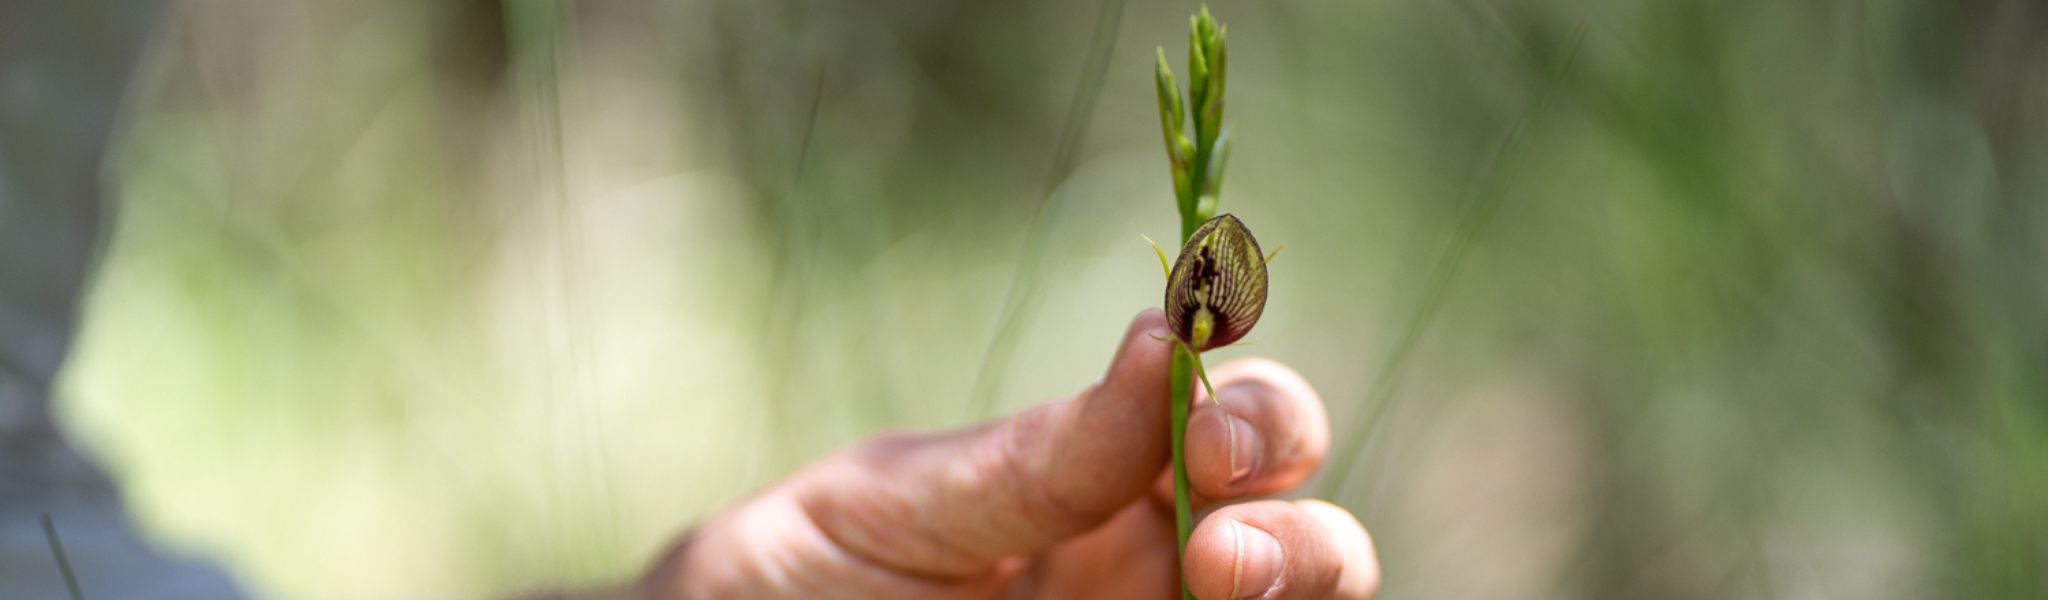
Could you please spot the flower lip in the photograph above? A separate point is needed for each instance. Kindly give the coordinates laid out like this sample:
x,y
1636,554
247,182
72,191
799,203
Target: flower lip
x,y
1217,289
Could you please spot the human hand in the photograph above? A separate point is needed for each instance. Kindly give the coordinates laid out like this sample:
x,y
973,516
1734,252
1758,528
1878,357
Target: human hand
x,y
1070,499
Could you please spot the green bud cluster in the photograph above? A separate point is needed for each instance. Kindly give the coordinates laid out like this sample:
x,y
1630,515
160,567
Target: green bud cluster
x,y
1197,160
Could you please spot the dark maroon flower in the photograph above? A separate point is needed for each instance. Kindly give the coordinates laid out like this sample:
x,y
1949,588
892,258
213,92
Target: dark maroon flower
x,y
1217,289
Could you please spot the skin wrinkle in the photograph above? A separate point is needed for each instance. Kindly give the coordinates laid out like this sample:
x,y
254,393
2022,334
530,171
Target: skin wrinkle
x,y
835,517
974,469
777,566
756,564
997,468
1030,475
835,550
858,526
990,482
828,550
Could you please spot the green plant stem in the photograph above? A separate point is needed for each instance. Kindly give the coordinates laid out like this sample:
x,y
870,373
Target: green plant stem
x,y
1183,510
1198,172
1196,190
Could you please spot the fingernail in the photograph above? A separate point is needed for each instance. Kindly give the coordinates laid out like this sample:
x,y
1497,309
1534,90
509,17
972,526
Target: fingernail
x,y
1257,566
1246,450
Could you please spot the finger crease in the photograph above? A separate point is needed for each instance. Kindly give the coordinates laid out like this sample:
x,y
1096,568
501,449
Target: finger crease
x,y
863,557
1027,483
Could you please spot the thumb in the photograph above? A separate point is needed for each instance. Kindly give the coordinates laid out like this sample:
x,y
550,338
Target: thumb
x,y
955,504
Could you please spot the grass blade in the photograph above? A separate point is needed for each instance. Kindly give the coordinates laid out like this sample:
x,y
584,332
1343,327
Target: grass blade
x,y
1482,202
63,562
1018,300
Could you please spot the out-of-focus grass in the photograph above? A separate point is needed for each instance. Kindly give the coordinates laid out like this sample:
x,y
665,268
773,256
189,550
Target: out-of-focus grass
x,y
1760,312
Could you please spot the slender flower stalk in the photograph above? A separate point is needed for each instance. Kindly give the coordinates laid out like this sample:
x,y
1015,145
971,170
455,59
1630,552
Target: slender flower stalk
x,y
1183,510
1216,289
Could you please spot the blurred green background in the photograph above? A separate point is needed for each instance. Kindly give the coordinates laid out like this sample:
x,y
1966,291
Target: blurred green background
x,y
1667,299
